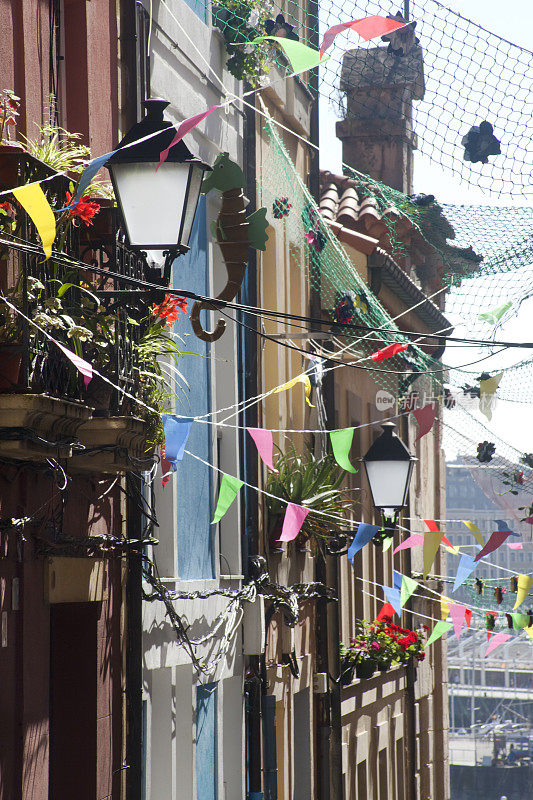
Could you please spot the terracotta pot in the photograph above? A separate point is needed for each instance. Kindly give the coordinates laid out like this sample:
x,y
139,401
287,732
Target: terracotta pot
x,y
365,669
10,363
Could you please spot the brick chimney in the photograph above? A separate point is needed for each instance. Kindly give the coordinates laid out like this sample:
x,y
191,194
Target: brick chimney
x,y
377,134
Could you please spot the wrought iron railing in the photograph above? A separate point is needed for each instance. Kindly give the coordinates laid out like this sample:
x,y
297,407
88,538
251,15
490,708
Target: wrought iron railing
x,y
60,294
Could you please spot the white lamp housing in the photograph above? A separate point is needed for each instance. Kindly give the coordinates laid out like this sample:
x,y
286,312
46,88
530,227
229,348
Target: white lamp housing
x,y
158,204
389,465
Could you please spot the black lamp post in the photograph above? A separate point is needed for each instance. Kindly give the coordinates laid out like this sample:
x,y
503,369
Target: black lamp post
x,y
389,466
158,208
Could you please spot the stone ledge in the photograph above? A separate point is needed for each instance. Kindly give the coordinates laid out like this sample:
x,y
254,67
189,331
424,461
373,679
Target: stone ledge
x,y
42,426
113,445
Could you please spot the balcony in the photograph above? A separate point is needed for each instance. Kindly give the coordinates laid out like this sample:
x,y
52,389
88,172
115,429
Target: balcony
x,y
46,409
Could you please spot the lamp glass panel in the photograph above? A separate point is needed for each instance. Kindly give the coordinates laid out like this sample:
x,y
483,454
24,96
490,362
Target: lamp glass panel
x,y
197,175
151,202
388,482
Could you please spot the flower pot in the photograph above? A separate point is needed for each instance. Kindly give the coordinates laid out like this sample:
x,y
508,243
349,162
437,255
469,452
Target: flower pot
x,y
10,363
347,674
365,669
384,666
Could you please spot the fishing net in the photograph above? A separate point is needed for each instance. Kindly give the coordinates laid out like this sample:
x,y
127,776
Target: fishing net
x,y
331,273
458,73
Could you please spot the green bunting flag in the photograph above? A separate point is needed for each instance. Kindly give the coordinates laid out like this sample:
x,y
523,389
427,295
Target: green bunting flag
x,y
494,316
301,57
520,621
408,587
439,630
341,441
229,488
387,543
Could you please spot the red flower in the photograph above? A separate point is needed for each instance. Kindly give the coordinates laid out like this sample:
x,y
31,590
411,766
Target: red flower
x,y
519,478
170,308
426,627
7,207
421,655
85,209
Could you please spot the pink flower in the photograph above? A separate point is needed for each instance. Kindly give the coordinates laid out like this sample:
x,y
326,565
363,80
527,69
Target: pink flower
x,y
374,645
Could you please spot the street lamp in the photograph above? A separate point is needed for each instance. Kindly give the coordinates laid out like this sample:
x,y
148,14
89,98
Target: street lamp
x,y
389,466
158,207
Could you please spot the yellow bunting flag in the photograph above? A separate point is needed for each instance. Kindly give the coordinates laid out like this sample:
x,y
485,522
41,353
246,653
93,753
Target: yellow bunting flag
x,y
303,378
444,607
487,390
524,585
32,198
432,542
529,631
474,530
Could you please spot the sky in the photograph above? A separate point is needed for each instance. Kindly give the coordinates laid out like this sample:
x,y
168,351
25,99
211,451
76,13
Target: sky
x,y
512,21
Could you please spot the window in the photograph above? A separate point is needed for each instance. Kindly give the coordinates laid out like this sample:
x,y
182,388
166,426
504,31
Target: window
x,y
206,742
199,7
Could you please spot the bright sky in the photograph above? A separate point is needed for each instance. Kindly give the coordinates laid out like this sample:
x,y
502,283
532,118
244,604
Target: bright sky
x,y
511,421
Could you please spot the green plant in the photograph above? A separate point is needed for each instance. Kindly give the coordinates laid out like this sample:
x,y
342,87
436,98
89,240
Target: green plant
x,y
384,643
63,151
241,21
313,483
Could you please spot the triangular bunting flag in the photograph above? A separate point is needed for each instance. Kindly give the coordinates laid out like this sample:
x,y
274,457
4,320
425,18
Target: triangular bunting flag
x,y
439,630
292,522
265,445
524,585
229,488
394,598
341,442
363,535
176,434
496,641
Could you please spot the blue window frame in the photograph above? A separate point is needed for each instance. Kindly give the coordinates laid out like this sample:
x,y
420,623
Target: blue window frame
x,y
199,7
194,480
206,742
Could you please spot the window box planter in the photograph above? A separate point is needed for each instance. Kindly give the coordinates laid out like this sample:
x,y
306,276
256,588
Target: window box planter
x,y
113,445
35,427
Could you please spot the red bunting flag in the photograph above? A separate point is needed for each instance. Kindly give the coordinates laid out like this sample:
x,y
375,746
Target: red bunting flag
x,y
425,417
388,352
386,611
367,28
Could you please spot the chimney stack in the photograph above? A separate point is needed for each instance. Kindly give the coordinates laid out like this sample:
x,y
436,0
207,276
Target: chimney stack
x,y
377,133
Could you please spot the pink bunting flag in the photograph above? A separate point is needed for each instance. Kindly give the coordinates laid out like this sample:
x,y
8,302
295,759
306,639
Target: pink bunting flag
x,y
367,28
263,442
186,127
81,365
457,613
292,522
496,641
411,541
514,545
496,539
388,352
425,417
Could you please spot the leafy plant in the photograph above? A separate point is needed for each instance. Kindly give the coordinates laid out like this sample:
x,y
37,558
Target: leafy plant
x,y
312,483
384,643
63,151
241,21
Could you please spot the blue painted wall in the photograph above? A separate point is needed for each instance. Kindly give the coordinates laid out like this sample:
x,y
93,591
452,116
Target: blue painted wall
x,y
206,742
194,480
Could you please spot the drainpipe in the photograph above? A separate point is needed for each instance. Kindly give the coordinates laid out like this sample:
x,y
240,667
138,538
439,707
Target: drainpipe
x,y
247,375
134,714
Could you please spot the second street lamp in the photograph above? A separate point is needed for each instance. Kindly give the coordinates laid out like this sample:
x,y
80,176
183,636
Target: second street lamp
x,y
158,207
389,466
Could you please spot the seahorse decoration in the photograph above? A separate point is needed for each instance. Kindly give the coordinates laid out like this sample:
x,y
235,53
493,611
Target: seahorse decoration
x,y
235,233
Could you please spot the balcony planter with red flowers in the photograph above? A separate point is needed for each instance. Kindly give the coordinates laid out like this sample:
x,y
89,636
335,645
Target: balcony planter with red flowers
x,y
380,645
